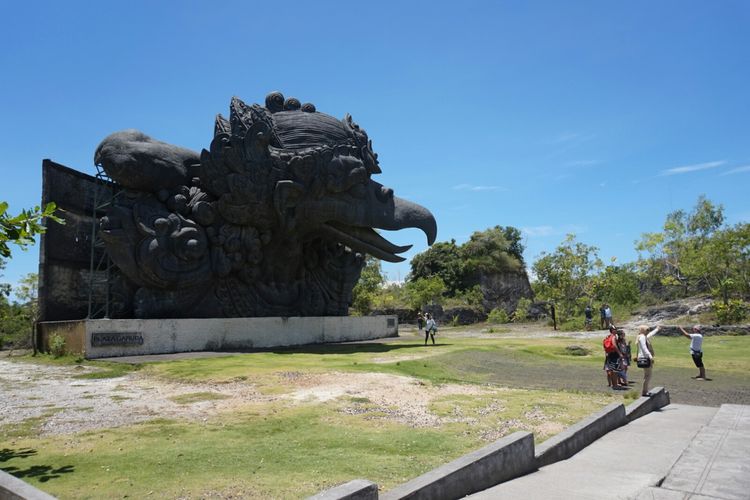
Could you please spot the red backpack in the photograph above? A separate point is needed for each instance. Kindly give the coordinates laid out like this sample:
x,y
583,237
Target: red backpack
x,y
609,344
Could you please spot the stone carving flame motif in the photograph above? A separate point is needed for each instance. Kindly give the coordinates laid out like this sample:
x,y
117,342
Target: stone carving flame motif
x,y
272,220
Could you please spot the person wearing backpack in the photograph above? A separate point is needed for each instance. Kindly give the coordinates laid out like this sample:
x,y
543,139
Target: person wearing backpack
x,y
613,360
645,357
430,329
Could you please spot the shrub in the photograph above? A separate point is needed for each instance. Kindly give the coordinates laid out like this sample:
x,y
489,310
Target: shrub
x,y
454,321
522,310
498,315
56,345
731,313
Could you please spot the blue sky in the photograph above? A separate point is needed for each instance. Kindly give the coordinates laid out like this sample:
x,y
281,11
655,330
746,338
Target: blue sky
x,y
596,118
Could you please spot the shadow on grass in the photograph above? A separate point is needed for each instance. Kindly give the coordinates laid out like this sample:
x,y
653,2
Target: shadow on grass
x,y
348,348
8,453
41,472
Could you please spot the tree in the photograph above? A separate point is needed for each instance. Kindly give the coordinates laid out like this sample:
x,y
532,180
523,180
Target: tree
x,y
565,276
617,285
490,250
425,291
696,252
443,259
21,229
370,281
498,249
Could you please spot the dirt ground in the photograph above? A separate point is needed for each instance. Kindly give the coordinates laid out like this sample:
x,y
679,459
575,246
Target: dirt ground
x,y
67,404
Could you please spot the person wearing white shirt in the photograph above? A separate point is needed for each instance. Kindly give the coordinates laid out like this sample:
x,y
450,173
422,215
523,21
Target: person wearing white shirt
x,y
696,350
645,353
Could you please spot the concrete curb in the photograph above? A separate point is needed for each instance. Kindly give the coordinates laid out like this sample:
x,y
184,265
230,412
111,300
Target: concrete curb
x,y
358,489
645,405
578,436
12,488
506,458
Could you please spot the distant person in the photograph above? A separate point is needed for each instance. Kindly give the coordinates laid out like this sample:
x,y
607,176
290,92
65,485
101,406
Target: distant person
x,y
696,350
645,357
589,317
420,321
430,329
603,317
554,315
608,315
612,360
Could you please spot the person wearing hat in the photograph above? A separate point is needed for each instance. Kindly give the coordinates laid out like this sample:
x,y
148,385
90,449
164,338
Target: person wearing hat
x,y
696,350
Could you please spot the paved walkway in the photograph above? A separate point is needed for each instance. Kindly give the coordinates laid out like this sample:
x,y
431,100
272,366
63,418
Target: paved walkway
x,y
631,461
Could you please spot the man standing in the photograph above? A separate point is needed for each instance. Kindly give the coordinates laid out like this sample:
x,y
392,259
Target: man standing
x,y
589,316
608,315
696,350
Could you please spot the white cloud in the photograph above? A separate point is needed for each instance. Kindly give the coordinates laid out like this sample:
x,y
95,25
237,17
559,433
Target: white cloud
x,y
471,187
692,168
737,170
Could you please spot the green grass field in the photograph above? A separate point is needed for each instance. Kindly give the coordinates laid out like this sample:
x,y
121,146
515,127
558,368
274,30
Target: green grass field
x,y
281,448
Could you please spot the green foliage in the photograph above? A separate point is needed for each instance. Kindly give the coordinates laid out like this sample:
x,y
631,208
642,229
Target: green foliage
x,y
498,249
491,250
617,285
21,229
370,281
565,276
444,260
422,292
498,316
471,298
696,252
521,313
733,312
56,345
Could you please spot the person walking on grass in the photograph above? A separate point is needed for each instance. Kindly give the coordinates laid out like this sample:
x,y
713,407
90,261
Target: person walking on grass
x,y
645,357
696,350
589,317
430,329
603,317
420,321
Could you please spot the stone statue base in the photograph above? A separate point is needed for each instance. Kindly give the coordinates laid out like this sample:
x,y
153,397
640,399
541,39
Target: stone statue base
x,y
103,338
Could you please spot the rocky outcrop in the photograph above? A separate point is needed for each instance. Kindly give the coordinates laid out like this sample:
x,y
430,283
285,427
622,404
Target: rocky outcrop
x,y
674,309
504,289
463,315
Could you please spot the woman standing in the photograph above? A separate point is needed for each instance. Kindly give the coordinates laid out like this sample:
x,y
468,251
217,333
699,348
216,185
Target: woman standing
x,y
645,357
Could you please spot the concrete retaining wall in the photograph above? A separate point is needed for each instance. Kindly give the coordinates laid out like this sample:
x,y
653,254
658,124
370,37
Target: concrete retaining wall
x,y
133,337
12,488
359,489
645,405
506,458
578,436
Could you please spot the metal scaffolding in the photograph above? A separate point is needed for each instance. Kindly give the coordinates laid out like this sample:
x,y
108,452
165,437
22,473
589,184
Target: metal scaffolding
x,y
101,268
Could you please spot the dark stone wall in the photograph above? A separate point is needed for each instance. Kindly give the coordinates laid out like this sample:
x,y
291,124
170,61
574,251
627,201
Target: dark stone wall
x,y
65,250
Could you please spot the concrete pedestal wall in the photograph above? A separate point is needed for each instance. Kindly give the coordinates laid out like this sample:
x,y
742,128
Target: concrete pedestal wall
x,y
102,338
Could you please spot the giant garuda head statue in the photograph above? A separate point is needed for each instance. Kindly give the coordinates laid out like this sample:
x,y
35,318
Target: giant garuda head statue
x,y
272,220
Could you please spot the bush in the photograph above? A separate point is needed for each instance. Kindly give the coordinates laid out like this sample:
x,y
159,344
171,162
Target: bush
x,y
498,315
522,310
57,345
731,313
